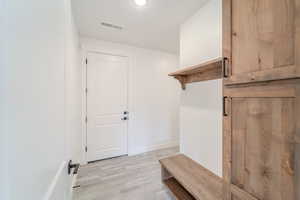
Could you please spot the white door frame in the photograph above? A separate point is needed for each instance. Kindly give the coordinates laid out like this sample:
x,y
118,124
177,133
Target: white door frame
x,y
84,96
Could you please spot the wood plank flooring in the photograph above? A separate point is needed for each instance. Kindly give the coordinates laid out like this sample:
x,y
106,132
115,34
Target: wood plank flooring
x,y
124,178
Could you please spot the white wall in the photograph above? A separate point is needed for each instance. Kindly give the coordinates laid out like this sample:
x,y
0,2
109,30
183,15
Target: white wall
x,y
32,90
153,96
73,75
3,160
201,103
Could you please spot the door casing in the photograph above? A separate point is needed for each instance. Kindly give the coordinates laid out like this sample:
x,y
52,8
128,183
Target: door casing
x,y
84,61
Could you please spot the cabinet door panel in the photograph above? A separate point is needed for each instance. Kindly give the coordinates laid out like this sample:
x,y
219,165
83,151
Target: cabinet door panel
x,y
262,34
263,131
263,39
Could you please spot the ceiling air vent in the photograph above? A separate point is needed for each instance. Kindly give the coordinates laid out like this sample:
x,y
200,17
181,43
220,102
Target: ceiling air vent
x,y
111,26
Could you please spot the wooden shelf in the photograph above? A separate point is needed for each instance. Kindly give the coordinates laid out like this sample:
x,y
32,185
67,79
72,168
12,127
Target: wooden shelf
x,y
177,190
210,70
199,182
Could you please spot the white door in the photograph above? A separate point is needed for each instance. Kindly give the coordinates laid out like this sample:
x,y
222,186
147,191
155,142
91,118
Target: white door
x,y
106,106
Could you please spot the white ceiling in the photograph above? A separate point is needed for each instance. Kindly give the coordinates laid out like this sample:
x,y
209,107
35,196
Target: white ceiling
x,y
154,26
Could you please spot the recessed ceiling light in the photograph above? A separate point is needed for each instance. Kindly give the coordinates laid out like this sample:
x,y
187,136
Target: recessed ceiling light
x,y
140,2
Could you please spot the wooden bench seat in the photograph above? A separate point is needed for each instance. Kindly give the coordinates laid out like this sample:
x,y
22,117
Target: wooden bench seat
x,y
188,180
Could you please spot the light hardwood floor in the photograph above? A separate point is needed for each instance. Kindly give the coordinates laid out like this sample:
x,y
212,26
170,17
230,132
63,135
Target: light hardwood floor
x,y
124,178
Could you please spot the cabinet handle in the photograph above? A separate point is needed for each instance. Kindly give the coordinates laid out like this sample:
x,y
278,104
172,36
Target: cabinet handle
x,y
224,67
224,107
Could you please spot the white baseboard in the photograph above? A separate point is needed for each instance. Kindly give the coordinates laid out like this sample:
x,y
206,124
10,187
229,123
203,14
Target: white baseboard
x,y
144,149
60,185
54,184
73,183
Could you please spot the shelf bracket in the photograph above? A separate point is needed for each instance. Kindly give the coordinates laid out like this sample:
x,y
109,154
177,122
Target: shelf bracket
x,y
210,70
182,81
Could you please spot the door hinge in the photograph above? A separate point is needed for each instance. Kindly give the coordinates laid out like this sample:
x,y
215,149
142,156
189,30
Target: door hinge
x,y
86,61
86,119
86,90
86,149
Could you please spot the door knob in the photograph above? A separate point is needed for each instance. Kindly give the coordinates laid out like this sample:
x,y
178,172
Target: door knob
x,y
124,118
126,113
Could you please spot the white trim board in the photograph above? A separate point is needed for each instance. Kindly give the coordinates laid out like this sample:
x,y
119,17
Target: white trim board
x,y
61,185
55,182
144,149
85,52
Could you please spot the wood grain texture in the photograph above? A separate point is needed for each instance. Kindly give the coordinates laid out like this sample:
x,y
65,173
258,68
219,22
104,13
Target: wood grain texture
x,y
198,181
264,42
276,88
165,174
263,34
265,129
281,117
239,194
226,52
227,150
262,91
227,31
263,147
177,190
206,71
261,134
209,65
287,72
297,144
297,36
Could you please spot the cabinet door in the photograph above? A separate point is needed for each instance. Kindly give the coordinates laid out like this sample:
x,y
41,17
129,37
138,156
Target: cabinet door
x,y
261,39
262,147
264,151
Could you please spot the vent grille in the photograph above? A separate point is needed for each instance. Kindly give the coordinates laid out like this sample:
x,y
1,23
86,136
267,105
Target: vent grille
x,y
112,26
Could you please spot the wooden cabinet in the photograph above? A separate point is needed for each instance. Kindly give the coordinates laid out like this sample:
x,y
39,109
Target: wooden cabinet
x,y
261,141
261,103
261,124
261,39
